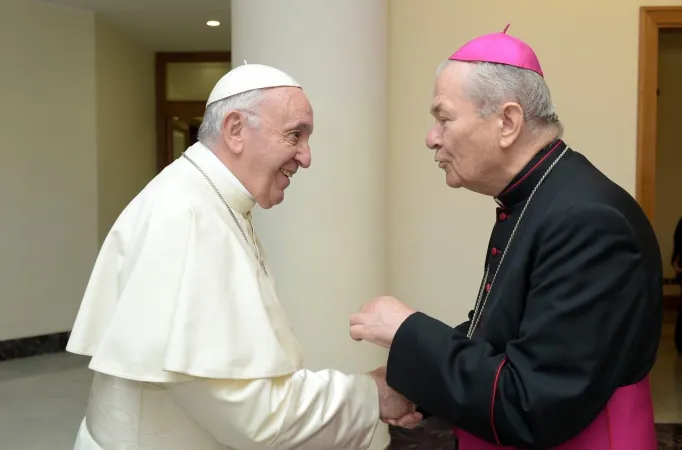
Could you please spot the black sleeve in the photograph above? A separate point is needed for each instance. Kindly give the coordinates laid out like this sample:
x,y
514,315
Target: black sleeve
x,y
462,328
572,346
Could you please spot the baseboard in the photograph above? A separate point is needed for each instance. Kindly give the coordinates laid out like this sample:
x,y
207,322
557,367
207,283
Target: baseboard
x,y
33,346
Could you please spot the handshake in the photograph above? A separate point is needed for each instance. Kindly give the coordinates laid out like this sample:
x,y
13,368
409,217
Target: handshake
x,y
394,409
377,322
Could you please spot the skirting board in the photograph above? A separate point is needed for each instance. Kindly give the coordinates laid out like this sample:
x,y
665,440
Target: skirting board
x,y
33,346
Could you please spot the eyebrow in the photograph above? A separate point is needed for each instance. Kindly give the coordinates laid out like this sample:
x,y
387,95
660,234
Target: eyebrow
x,y
436,109
302,125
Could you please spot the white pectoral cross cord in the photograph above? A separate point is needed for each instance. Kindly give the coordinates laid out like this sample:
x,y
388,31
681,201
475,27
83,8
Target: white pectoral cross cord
x,y
254,239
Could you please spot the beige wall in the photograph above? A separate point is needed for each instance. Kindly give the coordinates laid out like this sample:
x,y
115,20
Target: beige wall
x,y
126,134
77,127
588,50
48,176
669,146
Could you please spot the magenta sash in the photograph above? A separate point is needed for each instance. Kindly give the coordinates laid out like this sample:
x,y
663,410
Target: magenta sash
x,y
627,423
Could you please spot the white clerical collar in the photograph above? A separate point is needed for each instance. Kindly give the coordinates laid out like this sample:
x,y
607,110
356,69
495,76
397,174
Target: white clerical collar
x,y
227,185
224,168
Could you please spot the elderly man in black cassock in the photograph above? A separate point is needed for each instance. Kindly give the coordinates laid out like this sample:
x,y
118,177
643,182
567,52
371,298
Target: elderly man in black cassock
x,y
558,347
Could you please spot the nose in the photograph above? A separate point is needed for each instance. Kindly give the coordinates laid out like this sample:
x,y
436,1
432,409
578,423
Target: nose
x,y
304,158
434,139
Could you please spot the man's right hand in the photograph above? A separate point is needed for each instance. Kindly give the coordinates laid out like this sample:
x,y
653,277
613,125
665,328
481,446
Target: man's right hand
x,y
394,408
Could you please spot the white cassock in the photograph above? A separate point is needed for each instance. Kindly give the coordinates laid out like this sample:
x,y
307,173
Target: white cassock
x,y
191,348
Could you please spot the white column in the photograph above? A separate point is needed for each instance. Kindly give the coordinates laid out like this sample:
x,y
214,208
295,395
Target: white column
x,y
326,242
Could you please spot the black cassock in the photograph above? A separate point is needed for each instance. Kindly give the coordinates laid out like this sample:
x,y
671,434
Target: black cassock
x,y
574,313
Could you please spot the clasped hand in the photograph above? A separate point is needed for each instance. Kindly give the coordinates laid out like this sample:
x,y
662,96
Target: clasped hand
x,y
377,322
394,409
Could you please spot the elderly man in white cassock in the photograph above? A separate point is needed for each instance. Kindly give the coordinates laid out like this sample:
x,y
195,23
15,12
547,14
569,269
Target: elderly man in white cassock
x,y
190,347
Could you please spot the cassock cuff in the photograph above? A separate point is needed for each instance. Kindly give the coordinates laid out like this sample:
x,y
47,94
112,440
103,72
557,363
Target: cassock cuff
x,y
410,358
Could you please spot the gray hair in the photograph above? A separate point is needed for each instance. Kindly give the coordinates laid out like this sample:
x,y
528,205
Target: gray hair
x,y
246,102
490,85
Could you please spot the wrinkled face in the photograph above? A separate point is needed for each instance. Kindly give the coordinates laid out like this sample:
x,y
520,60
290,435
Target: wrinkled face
x,y
278,147
465,144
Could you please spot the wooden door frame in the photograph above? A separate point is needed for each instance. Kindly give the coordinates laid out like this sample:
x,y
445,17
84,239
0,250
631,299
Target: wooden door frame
x,y
651,20
165,108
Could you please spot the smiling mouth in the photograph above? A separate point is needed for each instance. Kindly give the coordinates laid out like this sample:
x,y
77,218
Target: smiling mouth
x,y
287,173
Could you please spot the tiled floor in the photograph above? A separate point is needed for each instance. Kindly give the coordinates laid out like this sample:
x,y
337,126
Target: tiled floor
x,y
42,401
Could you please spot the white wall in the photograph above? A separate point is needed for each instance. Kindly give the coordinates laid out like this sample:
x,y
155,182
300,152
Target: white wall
x,y
126,134
48,176
669,147
589,51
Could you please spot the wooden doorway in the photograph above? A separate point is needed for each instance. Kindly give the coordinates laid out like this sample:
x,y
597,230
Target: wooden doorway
x,y
183,83
651,20
657,26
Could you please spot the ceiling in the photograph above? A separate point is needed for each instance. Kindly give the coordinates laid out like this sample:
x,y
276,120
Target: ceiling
x,y
165,25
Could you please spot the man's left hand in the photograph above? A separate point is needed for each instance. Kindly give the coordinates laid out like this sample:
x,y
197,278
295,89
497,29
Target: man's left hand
x,y
379,320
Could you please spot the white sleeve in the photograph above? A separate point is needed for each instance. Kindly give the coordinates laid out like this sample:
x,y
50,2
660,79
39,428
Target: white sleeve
x,y
304,411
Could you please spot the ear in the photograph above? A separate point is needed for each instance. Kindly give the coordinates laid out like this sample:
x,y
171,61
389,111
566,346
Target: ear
x,y
511,124
233,131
